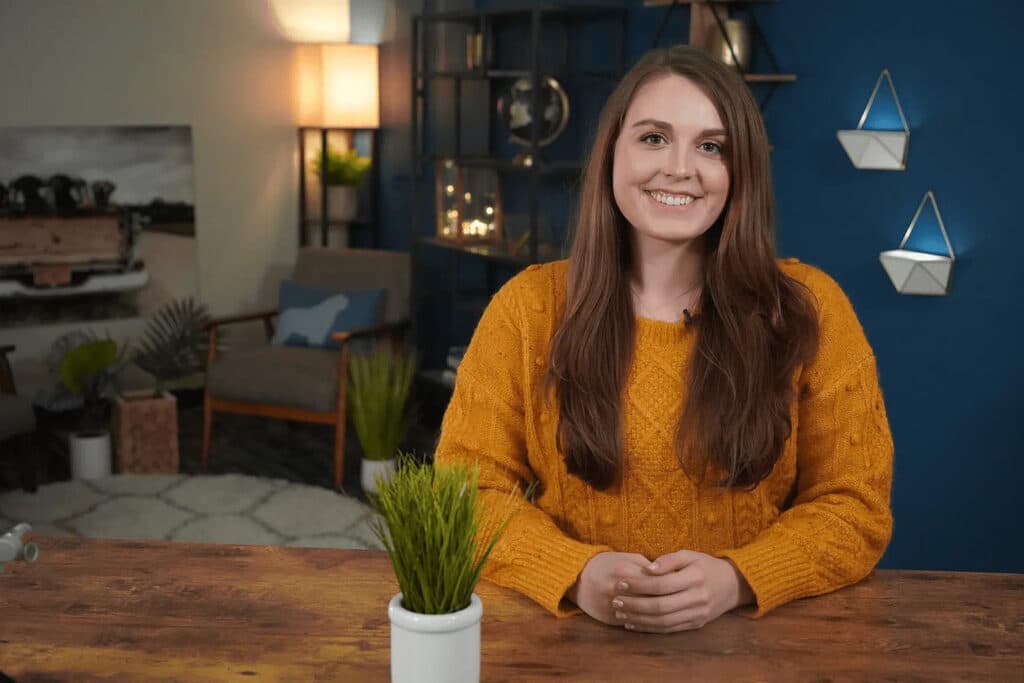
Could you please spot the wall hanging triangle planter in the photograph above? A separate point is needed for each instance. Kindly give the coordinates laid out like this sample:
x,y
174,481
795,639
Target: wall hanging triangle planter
x,y
884,150
920,272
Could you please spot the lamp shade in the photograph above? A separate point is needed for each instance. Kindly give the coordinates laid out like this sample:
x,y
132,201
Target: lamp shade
x,y
331,21
313,21
351,91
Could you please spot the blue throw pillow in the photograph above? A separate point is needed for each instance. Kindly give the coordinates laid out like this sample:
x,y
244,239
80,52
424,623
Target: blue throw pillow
x,y
310,315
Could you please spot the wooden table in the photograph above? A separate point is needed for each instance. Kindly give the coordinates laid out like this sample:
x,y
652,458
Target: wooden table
x,y
93,610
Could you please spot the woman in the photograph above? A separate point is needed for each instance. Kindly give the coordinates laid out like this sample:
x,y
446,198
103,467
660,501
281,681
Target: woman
x,y
704,421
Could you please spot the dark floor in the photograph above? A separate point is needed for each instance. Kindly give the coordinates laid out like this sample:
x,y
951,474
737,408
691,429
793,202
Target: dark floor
x,y
240,444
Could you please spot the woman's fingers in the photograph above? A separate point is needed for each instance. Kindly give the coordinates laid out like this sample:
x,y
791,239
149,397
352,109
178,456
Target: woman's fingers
x,y
665,584
660,605
685,619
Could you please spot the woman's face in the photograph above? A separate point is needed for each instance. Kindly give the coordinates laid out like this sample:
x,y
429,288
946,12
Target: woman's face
x,y
669,174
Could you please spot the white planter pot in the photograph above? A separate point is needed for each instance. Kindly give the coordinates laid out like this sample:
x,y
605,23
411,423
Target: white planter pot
x,y
435,648
342,202
372,468
90,454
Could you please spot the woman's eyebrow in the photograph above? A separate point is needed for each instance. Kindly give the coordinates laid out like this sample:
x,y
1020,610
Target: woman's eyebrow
x,y
665,125
653,122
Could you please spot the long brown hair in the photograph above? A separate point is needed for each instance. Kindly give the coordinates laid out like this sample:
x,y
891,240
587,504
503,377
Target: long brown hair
x,y
756,325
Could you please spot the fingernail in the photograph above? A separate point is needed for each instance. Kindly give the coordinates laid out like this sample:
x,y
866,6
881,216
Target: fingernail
x,y
616,603
620,615
623,586
653,567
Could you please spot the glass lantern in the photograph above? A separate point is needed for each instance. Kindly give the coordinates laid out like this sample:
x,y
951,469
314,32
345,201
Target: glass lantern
x,y
468,203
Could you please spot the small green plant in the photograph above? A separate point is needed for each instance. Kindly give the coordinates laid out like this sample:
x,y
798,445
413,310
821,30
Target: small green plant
x,y
342,168
175,343
86,370
428,523
378,390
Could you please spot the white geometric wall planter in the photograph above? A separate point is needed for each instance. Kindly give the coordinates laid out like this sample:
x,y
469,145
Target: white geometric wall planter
x,y
920,272
883,150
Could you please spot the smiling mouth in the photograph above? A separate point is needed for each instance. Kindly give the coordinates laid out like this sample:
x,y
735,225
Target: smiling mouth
x,y
671,199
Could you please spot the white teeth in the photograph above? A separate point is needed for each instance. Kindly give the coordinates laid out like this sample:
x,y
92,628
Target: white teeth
x,y
672,199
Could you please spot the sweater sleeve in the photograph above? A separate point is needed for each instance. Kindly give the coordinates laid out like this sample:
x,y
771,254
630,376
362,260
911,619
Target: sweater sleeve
x,y
485,424
840,520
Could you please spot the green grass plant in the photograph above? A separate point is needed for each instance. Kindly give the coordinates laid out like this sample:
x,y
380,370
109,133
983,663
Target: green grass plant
x,y
428,522
378,391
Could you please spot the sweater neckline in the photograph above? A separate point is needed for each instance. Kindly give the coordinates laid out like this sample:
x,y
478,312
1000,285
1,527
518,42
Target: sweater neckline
x,y
662,332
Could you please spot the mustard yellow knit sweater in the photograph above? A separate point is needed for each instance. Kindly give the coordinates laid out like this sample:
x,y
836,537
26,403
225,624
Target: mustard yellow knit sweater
x,y
820,521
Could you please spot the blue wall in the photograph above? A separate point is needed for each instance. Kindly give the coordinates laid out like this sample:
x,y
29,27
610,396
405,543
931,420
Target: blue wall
x,y
950,366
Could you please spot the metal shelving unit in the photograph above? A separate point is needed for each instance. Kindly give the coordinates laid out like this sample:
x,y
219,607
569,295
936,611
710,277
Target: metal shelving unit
x,y
529,23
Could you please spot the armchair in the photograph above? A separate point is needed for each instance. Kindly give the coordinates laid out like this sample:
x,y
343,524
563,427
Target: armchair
x,y
306,384
17,420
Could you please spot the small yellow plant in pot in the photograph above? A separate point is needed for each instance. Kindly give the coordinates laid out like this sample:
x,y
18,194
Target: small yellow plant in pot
x,y
429,523
378,391
342,172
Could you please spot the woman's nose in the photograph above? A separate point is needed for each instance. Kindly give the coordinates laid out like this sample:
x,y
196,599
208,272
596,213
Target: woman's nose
x,y
679,162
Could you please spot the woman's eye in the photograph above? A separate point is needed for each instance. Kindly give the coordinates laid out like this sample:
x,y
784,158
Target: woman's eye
x,y
653,139
711,147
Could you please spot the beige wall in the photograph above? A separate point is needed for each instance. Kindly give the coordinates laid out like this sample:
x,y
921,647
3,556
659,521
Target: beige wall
x,y
218,66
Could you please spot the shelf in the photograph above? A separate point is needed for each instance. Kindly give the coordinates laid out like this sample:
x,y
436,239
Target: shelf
x,y
510,74
524,14
359,222
666,3
494,252
545,167
435,377
769,78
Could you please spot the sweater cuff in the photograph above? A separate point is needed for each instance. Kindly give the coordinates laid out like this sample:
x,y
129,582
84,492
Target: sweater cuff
x,y
777,571
546,570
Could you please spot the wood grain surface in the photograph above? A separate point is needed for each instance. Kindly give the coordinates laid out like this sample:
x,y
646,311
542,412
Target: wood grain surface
x,y
93,610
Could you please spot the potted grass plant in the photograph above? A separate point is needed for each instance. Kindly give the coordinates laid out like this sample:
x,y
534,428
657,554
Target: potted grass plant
x,y
341,172
378,391
173,351
429,523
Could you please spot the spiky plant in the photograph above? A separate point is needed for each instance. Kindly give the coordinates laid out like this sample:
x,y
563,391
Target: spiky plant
x,y
174,344
429,524
378,390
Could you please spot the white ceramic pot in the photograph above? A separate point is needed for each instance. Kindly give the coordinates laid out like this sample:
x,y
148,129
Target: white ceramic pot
x,y
370,470
342,202
90,454
435,648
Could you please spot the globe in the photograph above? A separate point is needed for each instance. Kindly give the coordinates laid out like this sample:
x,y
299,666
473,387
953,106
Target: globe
x,y
515,109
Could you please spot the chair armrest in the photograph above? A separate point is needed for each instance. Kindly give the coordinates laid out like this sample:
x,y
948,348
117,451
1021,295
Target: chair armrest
x,y
211,328
394,328
244,317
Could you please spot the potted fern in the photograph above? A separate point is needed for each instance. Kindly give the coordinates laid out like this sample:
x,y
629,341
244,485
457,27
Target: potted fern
x,y
341,172
172,350
378,391
429,523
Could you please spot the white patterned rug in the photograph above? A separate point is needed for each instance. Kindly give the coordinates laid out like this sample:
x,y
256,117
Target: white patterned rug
x,y
226,508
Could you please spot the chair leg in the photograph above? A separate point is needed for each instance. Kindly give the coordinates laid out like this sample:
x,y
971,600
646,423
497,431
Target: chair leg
x,y
339,450
207,428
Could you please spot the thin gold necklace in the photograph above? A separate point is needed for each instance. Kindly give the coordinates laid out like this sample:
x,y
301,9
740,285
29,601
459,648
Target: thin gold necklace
x,y
640,308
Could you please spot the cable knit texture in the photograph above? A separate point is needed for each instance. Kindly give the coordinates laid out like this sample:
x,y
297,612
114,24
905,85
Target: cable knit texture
x,y
820,521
